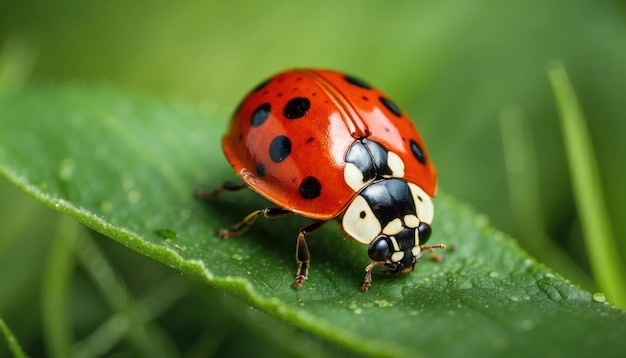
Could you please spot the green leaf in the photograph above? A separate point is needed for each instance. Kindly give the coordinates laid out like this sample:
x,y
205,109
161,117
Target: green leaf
x,y
126,165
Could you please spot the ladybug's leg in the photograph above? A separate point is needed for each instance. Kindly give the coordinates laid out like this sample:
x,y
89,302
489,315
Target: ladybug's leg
x,y
249,220
227,186
368,275
302,252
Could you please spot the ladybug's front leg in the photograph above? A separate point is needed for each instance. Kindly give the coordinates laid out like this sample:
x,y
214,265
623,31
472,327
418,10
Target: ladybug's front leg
x,y
367,282
302,252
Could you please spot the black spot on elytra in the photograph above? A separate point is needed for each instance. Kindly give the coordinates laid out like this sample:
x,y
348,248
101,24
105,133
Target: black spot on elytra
x,y
418,152
357,82
261,85
240,137
309,140
280,148
260,115
260,170
297,107
310,188
391,106
365,98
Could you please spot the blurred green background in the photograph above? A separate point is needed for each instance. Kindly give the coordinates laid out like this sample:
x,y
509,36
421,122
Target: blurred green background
x,y
459,68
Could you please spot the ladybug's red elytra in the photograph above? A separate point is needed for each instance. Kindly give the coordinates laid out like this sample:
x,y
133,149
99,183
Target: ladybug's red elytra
x,y
326,145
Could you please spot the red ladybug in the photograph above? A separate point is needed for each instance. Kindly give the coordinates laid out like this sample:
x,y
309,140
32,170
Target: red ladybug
x,y
326,145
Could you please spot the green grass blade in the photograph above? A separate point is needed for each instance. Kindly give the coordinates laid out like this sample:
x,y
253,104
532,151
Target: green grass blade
x,y
522,179
17,60
606,264
131,320
55,291
14,345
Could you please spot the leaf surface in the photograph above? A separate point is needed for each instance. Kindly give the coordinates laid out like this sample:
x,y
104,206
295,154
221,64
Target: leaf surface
x,y
126,165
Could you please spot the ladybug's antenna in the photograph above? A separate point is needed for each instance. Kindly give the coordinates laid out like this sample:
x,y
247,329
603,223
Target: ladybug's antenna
x,y
430,247
433,255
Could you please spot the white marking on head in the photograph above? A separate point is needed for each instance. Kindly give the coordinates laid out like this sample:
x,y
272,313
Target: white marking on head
x,y
360,222
423,204
411,221
397,256
416,251
353,177
394,227
395,164
396,247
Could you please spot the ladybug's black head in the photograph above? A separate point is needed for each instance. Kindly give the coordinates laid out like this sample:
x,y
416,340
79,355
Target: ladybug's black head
x,y
399,252
392,216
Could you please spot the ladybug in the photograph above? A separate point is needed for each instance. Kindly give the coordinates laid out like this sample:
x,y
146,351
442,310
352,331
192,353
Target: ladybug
x,y
328,146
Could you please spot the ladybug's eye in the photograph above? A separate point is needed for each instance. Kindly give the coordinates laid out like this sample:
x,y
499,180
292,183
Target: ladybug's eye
x,y
379,249
424,231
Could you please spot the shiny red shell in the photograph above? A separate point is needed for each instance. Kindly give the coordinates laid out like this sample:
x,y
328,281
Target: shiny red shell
x,y
306,173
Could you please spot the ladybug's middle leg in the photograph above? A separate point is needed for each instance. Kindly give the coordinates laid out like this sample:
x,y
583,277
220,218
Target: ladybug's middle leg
x,y
227,186
249,220
302,252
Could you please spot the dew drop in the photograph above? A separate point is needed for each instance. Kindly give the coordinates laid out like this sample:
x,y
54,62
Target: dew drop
x,y
236,257
383,303
599,297
166,234
528,262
